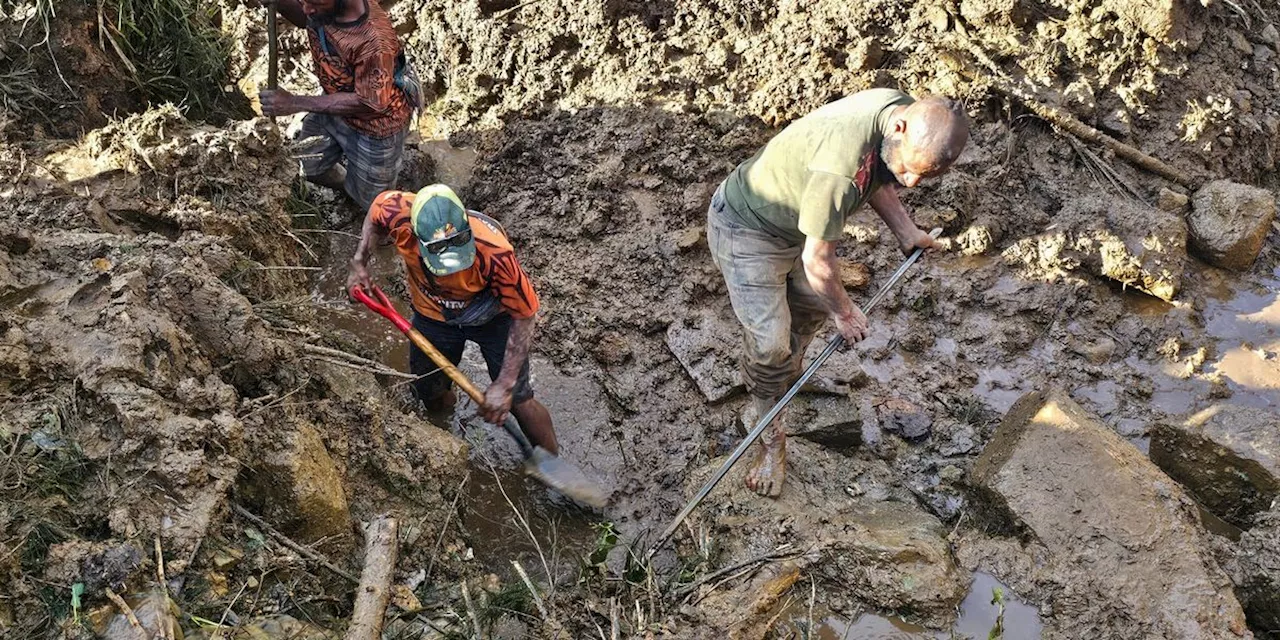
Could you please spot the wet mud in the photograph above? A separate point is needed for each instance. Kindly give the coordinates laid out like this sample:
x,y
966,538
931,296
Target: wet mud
x,y
161,280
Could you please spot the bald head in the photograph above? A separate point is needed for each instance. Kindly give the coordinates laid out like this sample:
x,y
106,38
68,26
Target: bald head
x,y
925,138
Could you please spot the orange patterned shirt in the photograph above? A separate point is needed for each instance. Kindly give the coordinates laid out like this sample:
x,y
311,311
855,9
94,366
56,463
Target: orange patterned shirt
x,y
496,266
360,57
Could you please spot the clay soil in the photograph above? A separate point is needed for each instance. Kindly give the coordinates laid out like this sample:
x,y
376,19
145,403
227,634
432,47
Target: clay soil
x,y
173,331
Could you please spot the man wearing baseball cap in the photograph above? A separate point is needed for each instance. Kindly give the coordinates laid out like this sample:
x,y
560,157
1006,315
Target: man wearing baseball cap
x,y
466,284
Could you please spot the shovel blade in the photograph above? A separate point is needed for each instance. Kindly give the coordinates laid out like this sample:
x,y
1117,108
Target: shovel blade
x,y
565,477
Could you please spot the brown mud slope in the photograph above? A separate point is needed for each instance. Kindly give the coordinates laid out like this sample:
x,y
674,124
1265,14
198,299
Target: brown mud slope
x,y
157,311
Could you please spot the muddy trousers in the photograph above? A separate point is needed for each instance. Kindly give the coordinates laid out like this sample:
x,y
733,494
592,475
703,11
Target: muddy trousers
x,y
779,312
373,164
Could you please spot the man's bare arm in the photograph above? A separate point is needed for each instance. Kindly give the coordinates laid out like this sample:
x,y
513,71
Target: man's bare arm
x,y
518,341
886,203
283,103
822,270
370,234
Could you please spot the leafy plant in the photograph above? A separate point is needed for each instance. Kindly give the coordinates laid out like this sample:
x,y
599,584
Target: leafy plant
x,y
997,599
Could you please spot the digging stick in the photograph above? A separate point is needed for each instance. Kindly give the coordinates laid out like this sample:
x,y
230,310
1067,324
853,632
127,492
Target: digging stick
x,y
764,422
380,553
272,46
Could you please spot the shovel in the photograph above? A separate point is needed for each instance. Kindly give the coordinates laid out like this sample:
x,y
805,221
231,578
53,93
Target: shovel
x,y
543,465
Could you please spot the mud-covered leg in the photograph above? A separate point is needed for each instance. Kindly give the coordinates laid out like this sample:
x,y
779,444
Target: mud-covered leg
x,y
767,472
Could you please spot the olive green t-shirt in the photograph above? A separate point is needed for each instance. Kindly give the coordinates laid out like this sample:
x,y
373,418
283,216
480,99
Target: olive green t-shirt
x,y
818,170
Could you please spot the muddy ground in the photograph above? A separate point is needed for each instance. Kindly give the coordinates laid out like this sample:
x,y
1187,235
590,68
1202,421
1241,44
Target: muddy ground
x,y
166,284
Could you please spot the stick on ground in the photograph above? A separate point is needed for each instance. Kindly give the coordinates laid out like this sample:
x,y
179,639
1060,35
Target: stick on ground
x,y
288,542
381,550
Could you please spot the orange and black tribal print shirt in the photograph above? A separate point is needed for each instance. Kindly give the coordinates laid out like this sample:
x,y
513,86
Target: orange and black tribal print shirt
x,y
495,268
360,57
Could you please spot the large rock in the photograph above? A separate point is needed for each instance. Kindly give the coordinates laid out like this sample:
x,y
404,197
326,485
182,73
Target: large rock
x,y
1227,456
299,489
1116,528
1228,223
1124,240
1258,574
890,555
1169,21
705,344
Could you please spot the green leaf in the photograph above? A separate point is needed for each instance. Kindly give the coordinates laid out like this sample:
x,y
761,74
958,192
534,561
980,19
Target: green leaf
x,y
77,590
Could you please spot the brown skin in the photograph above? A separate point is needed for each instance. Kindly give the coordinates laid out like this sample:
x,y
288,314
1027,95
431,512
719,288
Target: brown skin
x,y
924,139
533,417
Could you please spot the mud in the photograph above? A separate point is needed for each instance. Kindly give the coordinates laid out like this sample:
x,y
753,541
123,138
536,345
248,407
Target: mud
x,y
160,277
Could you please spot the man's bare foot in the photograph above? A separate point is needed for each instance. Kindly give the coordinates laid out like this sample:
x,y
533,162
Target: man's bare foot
x,y
767,472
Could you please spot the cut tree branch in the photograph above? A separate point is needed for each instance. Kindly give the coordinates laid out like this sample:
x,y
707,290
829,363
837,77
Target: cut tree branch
x,y
381,549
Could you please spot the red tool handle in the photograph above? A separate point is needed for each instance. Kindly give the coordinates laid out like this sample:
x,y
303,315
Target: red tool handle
x,y
381,306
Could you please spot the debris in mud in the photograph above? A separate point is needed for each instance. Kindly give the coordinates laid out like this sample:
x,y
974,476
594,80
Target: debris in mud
x,y
906,420
869,548
298,482
1228,222
704,344
1125,545
1257,574
1125,240
829,420
1227,456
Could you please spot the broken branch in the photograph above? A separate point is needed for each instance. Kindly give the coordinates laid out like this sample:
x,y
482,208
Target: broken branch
x,y
380,552
288,542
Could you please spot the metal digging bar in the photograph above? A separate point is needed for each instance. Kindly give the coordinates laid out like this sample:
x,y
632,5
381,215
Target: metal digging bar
x,y
831,348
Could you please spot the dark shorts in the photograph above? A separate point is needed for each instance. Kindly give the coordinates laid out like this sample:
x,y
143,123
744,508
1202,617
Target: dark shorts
x,y
450,340
373,164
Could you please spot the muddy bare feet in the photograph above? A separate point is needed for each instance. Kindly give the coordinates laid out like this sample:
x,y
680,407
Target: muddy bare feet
x,y
769,469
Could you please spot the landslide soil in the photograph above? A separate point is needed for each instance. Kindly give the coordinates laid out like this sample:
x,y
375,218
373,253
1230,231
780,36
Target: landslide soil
x,y
158,284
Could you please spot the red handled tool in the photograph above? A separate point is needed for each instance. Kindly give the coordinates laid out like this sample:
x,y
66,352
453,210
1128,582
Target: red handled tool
x,y
550,469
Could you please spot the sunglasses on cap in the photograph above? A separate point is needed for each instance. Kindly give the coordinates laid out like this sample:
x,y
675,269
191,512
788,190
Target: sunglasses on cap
x,y
458,239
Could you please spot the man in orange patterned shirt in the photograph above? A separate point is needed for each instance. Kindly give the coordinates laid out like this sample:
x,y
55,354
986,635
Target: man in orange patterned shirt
x,y
466,285
369,96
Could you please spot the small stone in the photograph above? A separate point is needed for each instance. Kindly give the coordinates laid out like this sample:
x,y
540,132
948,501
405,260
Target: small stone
x,y
1240,42
1172,201
951,473
1271,35
906,420
689,238
1228,223
854,275
1117,123
1262,56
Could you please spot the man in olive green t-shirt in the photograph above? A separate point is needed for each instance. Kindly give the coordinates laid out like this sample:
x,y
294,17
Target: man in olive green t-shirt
x,y
774,223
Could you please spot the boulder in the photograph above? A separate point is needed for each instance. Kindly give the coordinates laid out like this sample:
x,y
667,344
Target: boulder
x,y
1133,243
1228,223
1258,573
297,487
1227,457
1115,528
706,344
887,554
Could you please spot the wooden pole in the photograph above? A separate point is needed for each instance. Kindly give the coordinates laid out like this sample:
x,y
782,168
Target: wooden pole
x,y
381,550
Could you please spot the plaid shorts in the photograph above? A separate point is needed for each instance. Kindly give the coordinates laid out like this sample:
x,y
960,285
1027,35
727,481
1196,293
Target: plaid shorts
x,y
373,164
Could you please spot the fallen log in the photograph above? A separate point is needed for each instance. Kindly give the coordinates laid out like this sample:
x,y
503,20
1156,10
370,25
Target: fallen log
x,y
380,553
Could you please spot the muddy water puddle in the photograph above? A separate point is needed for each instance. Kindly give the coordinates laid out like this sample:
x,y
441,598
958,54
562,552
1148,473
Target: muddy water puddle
x,y
977,618
1246,324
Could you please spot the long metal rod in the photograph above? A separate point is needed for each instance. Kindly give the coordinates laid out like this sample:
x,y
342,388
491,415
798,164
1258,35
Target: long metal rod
x,y
764,422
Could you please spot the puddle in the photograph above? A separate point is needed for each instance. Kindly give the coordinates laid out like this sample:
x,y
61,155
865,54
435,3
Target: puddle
x,y
1246,324
1000,388
976,620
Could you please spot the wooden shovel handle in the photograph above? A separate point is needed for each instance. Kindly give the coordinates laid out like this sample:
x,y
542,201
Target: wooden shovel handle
x,y
382,306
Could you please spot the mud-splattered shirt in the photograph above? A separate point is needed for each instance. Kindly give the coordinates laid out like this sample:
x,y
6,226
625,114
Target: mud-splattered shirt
x,y
495,268
818,170
360,57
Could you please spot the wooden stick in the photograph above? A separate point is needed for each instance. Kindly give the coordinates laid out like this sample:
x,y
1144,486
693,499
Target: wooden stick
x,y
124,608
163,632
372,366
288,542
537,599
471,610
381,549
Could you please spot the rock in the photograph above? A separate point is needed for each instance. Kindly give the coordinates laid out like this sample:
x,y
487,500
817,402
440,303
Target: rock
x,y
1172,201
1116,123
689,238
1169,21
1271,35
300,482
908,421
611,349
1238,41
1258,572
830,421
1228,458
854,275
705,345
1228,223
1127,241
1116,529
890,555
